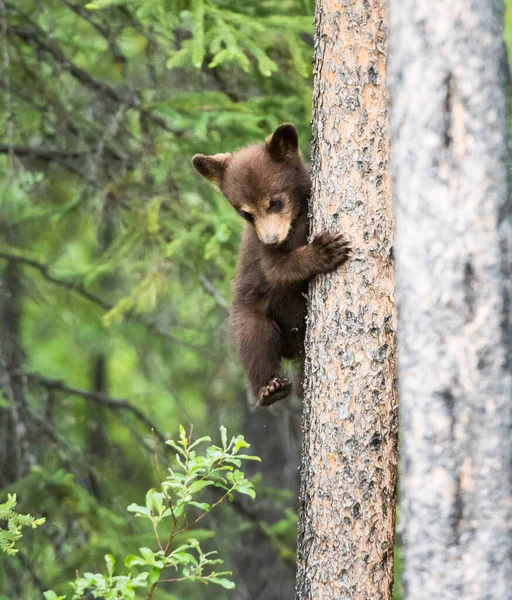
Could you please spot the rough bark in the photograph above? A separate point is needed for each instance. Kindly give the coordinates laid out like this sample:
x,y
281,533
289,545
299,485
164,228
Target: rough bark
x,y
346,529
453,248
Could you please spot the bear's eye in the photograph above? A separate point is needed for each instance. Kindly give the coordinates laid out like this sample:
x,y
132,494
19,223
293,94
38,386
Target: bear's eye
x,y
275,206
247,216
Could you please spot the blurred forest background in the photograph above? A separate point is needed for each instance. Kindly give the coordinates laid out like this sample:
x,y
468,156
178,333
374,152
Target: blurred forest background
x,y
115,264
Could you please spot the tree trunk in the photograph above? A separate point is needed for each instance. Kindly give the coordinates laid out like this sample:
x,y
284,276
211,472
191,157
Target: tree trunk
x,y
347,519
15,447
453,250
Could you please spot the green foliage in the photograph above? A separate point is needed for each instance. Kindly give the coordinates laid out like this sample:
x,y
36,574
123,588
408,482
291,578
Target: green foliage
x,y
109,586
171,510
124,258
245,37
398,569
12,523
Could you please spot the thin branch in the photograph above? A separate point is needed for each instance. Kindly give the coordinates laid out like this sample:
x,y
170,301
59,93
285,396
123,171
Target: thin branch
x,y
86,79
44,270
49,155
155,529
53,433
75,453
98,398
203,515
214,292
103,31
57,157
110,152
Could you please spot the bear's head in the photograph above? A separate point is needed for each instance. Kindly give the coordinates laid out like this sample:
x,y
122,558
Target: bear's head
x,y
267,183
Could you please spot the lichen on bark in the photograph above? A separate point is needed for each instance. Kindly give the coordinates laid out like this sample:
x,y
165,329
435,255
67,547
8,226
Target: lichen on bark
x,y
453,249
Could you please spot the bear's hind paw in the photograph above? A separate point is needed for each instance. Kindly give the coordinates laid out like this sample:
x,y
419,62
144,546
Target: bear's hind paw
x,y
276,389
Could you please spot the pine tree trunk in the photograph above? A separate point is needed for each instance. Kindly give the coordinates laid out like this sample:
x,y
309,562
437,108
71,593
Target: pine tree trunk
x,y
453,249
346,529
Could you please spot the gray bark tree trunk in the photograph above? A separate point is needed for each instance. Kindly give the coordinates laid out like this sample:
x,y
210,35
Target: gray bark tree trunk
x,y
453,249
347,515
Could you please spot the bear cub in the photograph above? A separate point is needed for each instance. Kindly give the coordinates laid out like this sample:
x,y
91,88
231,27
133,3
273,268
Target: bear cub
x,y
268,184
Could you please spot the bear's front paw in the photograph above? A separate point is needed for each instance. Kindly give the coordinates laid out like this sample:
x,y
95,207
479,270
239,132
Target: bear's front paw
x,y
331,249
276,389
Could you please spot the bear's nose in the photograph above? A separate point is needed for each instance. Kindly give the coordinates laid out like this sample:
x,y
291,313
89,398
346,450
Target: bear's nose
x,y
269,239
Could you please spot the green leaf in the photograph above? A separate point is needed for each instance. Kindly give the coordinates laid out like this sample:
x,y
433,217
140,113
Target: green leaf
x,y
132,561
224,436
197,486
183,437
49,595
206,438
240,443
225,583
202,505
154,575
248,492
140,580
110,562
147,553
174,445
139,510
247,457
155,502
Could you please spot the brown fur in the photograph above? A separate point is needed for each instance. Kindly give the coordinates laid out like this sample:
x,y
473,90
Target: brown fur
x,y
270,183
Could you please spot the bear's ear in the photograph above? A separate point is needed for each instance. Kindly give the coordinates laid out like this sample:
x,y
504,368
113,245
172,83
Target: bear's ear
x,y
212,167
284,142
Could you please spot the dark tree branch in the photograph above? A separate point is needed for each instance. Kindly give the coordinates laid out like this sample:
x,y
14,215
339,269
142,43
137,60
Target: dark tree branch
x,y
45,272
153,328
53,434
100,87
50,155
109,151
213,292
103,31
40,153
57,157
98,398
61,157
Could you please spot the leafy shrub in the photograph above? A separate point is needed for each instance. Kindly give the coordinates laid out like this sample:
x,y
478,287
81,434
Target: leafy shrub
x,y
173,510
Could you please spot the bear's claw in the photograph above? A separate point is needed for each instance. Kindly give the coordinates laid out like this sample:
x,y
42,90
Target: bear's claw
x,y
276,389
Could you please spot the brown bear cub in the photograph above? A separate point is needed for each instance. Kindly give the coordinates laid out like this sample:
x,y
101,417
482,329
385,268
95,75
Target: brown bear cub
x,y
269,184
